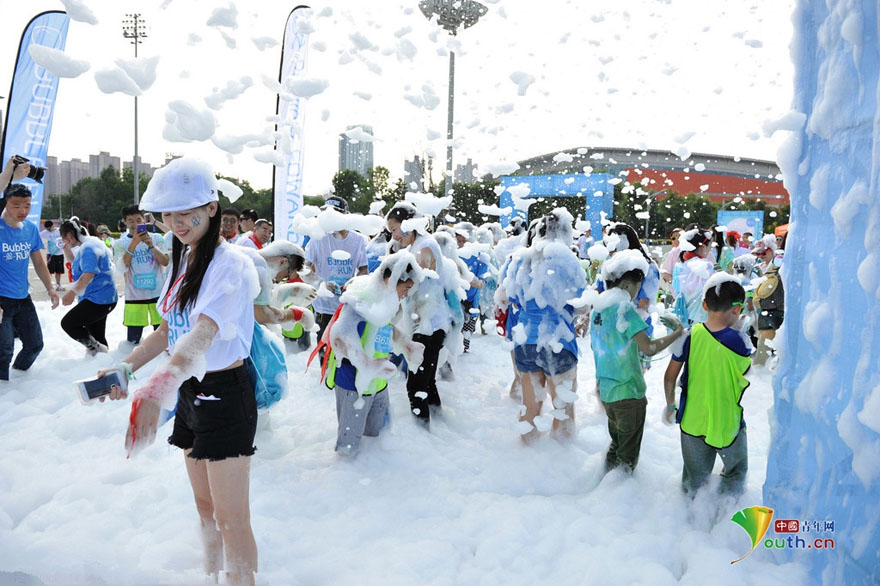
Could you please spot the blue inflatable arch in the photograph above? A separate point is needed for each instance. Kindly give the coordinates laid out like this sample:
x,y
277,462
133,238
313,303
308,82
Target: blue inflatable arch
x,y
595,188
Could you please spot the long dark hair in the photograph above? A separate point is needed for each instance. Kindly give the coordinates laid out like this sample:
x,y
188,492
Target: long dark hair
x,y
197,265
632,239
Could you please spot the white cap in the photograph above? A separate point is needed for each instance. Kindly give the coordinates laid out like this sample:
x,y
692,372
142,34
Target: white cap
x,y
182,184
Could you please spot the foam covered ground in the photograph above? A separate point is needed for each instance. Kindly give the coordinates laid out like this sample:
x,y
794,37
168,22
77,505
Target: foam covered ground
x,y
467,503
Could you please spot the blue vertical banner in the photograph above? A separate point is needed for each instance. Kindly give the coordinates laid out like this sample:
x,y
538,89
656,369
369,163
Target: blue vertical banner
x,y
31,104
288,179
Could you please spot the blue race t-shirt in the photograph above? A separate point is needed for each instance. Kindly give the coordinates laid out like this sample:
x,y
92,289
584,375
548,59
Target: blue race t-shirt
x,y
478,268
16,246
730,338
101,290
544,326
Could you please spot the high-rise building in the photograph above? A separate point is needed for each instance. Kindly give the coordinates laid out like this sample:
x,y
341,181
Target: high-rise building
x,y
61,176
414,174
99,162
71,172
356,154
466,173
143,168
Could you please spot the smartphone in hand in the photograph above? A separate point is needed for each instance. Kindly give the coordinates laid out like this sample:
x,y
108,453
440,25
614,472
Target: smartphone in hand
x,y
141,228
90,390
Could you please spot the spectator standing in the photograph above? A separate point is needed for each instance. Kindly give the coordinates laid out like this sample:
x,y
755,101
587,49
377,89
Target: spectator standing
x,y
259,237
144,256
55,256
229,225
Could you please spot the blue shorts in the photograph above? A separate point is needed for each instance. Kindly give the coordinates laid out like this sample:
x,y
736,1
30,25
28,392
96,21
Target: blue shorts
x,y
530,358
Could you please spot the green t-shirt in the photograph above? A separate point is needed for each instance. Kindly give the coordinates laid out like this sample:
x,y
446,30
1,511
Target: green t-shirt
x,y
618,368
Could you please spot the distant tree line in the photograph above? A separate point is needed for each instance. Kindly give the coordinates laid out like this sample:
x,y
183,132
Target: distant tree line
x,y
100,199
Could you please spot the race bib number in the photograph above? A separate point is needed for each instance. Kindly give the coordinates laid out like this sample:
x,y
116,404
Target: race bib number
x,y
145,280
383,343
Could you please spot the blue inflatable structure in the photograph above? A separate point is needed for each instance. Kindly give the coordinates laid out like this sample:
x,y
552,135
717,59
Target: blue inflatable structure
x,y
824,463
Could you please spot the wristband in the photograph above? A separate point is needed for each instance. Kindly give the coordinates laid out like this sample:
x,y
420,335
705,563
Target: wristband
x,y
125,367
671,407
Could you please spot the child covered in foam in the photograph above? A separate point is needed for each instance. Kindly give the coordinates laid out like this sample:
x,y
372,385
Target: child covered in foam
x,y
362,339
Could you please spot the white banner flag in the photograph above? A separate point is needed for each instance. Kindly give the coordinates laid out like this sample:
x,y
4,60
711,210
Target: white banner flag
x,y
288,182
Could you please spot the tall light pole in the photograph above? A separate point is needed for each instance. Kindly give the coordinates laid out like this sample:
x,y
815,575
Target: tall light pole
x,y
134,28
451,14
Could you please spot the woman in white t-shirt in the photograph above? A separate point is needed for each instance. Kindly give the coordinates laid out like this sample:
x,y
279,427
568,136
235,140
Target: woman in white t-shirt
x,y
207,325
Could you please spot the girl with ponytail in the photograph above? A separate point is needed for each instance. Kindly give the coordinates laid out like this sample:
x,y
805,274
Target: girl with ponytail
x,y
93,288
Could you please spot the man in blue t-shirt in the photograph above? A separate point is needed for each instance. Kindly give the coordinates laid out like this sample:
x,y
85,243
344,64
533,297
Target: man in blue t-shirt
x,y
20,243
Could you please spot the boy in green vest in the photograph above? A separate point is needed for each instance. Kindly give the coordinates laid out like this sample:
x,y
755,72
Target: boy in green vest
x,y
362,339
618,335
715,357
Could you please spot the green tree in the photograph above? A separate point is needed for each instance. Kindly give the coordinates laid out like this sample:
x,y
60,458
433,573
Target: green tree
x,y
261,200
354,187
467,198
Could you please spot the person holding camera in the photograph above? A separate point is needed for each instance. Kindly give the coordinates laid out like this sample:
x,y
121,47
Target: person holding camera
x,y
20,243
144,256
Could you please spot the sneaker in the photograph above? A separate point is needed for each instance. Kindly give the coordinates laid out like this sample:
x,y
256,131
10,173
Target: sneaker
x,y
99,348
60,288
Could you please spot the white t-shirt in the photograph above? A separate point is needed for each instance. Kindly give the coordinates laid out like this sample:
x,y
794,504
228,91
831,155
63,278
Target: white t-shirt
x,y
226,296
144,277
335,268
247,242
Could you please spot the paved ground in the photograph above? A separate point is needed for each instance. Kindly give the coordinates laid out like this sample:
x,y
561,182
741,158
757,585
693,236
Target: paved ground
x,y
38,292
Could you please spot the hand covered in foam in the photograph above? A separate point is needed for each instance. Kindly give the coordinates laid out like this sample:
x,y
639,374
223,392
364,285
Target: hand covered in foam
x,y
671,322
308,321
415,353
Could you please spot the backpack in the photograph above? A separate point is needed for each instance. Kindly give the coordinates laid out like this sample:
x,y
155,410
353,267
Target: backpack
x,y
267,368
766,289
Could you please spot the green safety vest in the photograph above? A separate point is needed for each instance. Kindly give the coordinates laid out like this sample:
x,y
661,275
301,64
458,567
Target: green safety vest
x,y
377,384
715,386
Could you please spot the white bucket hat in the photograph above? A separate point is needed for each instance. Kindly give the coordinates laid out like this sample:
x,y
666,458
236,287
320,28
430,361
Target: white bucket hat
x,y
182,184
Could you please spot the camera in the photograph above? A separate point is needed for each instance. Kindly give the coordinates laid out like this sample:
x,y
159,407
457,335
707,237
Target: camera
x,y
35,173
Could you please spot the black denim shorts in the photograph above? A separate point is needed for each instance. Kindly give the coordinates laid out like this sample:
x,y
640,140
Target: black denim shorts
x,y
216,417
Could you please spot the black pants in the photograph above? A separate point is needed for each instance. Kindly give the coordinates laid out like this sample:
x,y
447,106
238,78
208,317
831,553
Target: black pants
x,y
86,323
424,381
323,320
135,333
